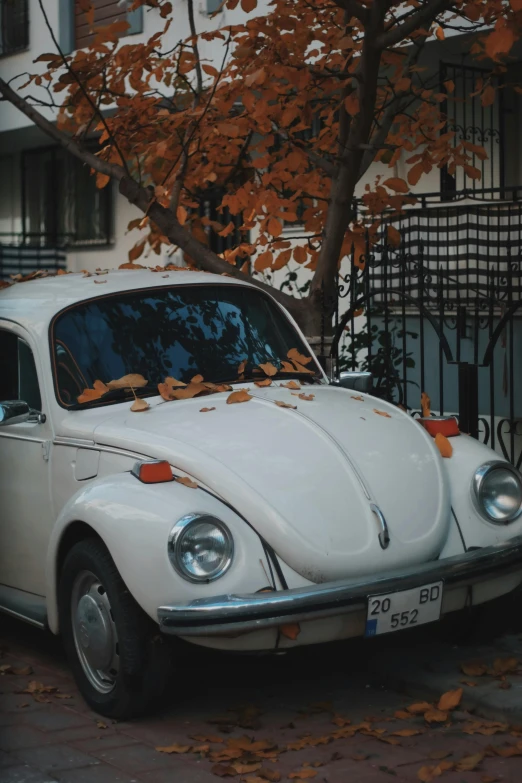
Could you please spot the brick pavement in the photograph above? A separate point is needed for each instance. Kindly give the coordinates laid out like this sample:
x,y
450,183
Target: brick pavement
x,y
300,701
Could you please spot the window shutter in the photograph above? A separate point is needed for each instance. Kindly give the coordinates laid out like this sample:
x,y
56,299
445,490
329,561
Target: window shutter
x,y
135,19
66,25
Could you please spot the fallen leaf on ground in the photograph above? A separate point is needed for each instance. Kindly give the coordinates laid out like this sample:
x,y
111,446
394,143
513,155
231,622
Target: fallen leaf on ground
x,y
242,768
206,410
505,685
488,779
223,771
282,404
450,700
503,666
339,720
173,748
443,445
435,716
427,774
506,751
294,356
469,763
186,481
473,668
419,708
440,754
407,732
127,381
403,715
139,405
272,775
38,687
264,382
382,413
291,385
485,727
62,696
207,738
24,672
238,396
358,756
268,368
101,725
469,683
302,774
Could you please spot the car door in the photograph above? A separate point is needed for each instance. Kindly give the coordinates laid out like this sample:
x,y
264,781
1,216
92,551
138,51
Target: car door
x,y
26,516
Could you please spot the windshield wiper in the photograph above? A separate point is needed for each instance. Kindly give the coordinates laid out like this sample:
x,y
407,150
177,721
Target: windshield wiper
x,y
114,395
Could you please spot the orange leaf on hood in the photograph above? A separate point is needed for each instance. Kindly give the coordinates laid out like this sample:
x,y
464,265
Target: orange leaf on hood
x,y
241,367
128,381
190,391
197,379
238,396
268,368
358,398
139,405
382,413
282,404
187,482
291,385
443,445
307,397
474,668
264,382
294,356
206,410
88,395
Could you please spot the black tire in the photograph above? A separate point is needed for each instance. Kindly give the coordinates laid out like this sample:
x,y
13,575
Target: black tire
x,y
145,662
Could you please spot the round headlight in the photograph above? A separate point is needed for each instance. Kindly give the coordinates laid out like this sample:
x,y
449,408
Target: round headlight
x,y
200,548
497,492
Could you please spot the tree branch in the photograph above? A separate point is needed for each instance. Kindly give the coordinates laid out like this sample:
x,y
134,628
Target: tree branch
x,y
426,14
355,8
65,141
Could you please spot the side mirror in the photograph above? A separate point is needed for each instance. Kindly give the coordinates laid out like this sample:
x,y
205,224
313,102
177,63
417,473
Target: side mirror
x,y
356,381
14,412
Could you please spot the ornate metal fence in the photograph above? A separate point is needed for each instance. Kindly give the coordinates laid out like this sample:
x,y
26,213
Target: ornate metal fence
x,y
442,313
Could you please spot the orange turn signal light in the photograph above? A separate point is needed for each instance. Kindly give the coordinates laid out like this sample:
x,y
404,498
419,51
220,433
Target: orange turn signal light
x,y
445,425
153,472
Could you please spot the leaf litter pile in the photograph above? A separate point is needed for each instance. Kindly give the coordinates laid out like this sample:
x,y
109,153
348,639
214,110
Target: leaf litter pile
x,y
172,389
251,758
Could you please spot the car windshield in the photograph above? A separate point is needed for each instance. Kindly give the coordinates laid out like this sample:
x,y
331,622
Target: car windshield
x,y
177,331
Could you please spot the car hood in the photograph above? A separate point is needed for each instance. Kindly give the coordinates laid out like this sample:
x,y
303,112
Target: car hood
x,y
305,479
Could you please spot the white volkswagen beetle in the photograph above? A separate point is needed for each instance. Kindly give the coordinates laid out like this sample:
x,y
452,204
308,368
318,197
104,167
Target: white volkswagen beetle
x,y
250,505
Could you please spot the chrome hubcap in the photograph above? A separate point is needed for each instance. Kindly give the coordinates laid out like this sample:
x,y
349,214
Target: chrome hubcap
x,y
94,631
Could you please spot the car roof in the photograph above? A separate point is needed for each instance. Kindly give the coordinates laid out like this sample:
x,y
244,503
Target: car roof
x,y
36,301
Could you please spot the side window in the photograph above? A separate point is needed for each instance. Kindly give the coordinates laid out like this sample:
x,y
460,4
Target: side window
x,y
18,379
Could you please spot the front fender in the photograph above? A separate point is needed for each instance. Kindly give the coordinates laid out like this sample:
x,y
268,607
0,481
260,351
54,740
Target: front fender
x,y
134,521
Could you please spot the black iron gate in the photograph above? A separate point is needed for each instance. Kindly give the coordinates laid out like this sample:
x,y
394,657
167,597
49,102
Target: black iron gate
x,y
442,313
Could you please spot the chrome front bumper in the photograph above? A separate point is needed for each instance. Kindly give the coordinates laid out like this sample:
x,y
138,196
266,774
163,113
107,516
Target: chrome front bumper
x,y
225,615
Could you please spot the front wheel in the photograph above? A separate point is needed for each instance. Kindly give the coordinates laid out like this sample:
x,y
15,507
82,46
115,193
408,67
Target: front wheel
x,y
121,664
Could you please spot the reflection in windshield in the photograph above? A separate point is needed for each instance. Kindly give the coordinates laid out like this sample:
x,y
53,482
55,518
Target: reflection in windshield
x,y
179,331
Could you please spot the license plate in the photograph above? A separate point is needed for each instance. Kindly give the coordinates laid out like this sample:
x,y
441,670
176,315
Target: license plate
x,y
403,609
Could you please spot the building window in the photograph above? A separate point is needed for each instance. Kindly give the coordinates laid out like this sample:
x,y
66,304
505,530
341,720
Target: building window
x,y
61,205
75,32
14,26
